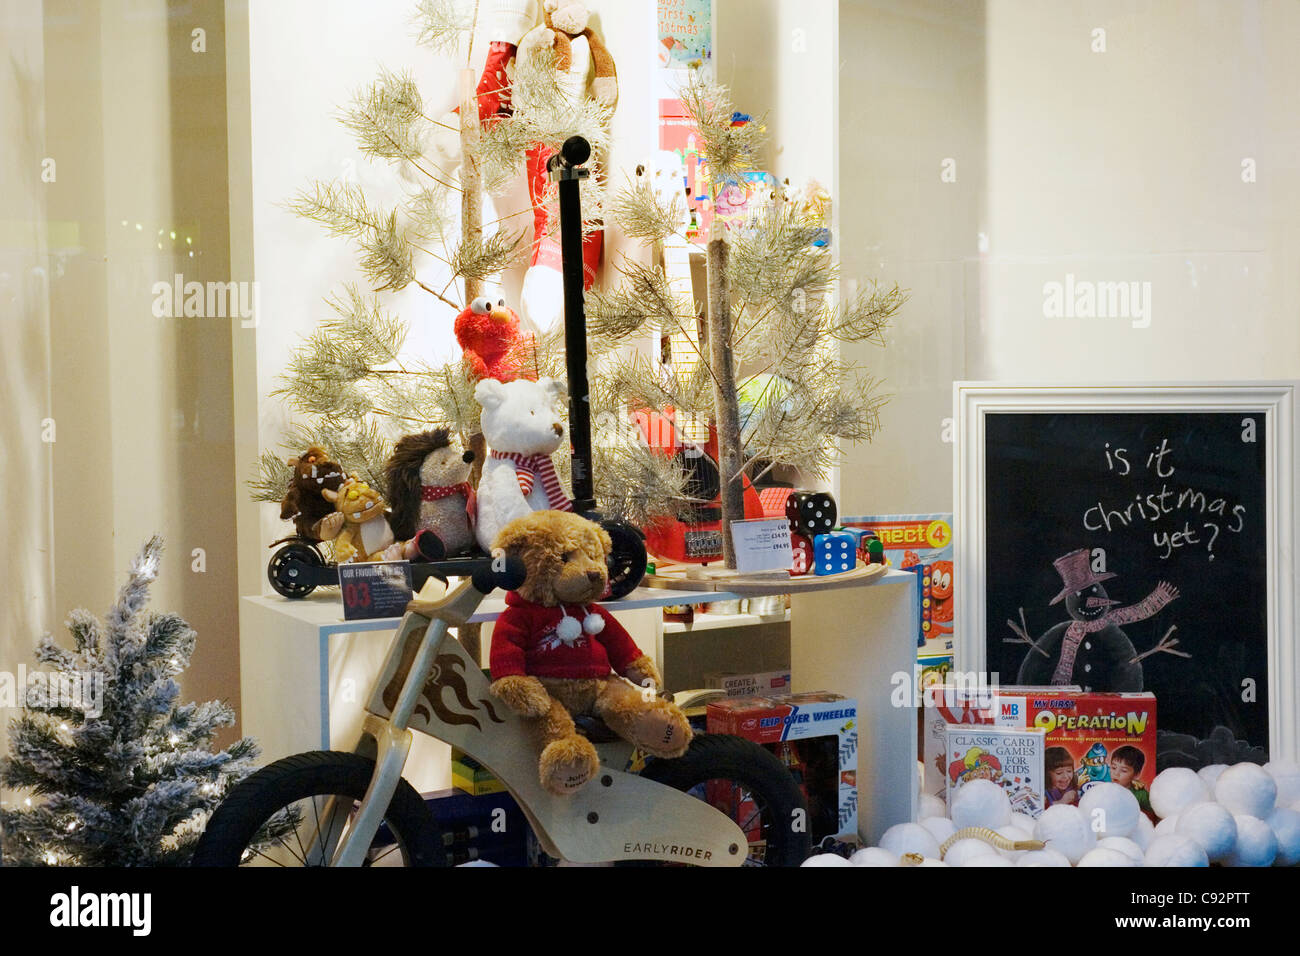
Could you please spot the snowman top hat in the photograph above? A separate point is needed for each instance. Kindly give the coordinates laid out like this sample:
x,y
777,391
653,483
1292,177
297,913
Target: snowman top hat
x,y
1076,572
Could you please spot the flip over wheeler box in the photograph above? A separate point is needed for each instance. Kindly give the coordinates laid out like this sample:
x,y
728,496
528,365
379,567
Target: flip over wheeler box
x,y
816,736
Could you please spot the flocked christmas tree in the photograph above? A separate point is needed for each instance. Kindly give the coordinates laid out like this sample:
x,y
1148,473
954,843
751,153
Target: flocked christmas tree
x,y
105,767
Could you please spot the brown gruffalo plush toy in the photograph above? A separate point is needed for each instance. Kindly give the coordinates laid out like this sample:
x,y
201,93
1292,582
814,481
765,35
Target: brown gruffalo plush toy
x,y
304,501
556,654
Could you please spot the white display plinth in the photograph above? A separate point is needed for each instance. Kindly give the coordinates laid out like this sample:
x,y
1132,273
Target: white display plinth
x,y
305,671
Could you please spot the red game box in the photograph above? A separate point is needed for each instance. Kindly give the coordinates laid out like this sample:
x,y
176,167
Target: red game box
x,y
1097,737
816,736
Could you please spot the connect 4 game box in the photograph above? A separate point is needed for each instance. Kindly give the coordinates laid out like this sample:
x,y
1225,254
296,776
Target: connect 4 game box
x,y
816,736
923,544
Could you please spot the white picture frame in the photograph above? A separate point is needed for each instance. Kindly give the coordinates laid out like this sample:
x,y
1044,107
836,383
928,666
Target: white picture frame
x,y
1274,400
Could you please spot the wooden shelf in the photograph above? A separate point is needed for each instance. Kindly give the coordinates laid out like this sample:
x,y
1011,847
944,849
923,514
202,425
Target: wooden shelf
x,y
711,622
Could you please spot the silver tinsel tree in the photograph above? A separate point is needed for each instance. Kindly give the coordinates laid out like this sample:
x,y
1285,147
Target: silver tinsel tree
x,y
351,387
769,371
105,767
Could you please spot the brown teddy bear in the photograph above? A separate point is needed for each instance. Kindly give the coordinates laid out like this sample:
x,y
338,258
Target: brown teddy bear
x,y
555,654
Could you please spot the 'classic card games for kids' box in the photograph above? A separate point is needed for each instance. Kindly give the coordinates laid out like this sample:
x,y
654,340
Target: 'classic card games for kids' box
x,y
1010,757
922,543
969,706
816,736
1091,738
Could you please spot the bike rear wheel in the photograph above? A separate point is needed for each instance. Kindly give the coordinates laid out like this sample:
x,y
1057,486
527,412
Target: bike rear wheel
x,y
294,811
751,786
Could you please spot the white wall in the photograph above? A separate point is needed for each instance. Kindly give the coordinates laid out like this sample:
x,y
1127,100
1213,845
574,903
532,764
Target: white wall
x,y
1123,165
911,97
1127,166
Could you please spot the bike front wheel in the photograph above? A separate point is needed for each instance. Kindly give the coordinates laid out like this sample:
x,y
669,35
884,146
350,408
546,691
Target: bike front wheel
x,y
751,786
295,811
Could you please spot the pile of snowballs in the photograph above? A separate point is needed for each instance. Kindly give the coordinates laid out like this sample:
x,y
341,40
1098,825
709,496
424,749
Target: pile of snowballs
x,y
1243,815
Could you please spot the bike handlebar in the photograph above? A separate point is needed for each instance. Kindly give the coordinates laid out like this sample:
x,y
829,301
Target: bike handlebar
x,y
487,576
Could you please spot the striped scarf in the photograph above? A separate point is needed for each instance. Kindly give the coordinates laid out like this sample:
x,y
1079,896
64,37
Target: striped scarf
x,y
1070,647
528,468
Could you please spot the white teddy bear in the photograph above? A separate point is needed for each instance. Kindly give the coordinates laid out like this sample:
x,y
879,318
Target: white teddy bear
x,y
522,428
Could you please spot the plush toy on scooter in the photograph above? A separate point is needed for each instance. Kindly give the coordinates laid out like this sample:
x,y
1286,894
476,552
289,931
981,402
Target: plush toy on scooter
x,y
523,427
556,654
428,486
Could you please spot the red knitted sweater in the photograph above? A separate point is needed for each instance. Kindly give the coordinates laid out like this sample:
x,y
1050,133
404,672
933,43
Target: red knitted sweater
x,y
524,641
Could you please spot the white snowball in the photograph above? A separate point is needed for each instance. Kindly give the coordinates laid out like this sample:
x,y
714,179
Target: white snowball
x,y
1256,844
826,859
1168,825
909,838
1246,788
1024,821
1143,832
1211,826
930,806
1286,775
1122,845
874,856
1111,810
1175,850
980,803
1209,774
1176,788
1064,828
1104,856
1042,858
1285,824
963,851
941,827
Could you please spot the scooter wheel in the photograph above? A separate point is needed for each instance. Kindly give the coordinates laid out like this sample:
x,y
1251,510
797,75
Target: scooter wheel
x,y
627,557
284,571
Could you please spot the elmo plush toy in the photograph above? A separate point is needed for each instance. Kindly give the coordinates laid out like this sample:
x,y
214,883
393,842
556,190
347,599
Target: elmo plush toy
x,y
488,334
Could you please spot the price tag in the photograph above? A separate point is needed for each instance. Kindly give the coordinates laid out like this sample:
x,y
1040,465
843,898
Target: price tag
x,y
379,589
762,544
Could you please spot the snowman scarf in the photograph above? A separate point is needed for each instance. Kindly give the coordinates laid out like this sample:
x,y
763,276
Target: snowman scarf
x,y
1074,634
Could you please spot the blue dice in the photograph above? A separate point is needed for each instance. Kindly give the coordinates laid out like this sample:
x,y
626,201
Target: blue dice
x,y
835,553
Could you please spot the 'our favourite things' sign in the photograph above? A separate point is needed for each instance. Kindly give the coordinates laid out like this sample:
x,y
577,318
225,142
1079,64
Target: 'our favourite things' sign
x,y
1129,550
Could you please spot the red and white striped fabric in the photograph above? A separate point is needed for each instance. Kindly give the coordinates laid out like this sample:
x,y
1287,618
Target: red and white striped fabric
x,y
528,468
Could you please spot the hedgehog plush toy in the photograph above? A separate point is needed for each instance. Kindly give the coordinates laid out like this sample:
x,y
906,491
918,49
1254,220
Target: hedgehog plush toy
x,y
430,493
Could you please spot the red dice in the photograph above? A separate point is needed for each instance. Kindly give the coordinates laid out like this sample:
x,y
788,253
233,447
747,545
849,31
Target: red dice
x,y
803,554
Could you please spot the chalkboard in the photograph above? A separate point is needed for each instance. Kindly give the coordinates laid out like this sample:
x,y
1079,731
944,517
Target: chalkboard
x,y
1156,522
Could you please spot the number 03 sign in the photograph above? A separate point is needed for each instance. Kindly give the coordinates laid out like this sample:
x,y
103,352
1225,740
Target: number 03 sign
x,y
1136,538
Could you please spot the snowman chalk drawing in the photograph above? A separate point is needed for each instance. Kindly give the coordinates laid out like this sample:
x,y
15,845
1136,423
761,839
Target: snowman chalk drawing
x,y
1090,649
